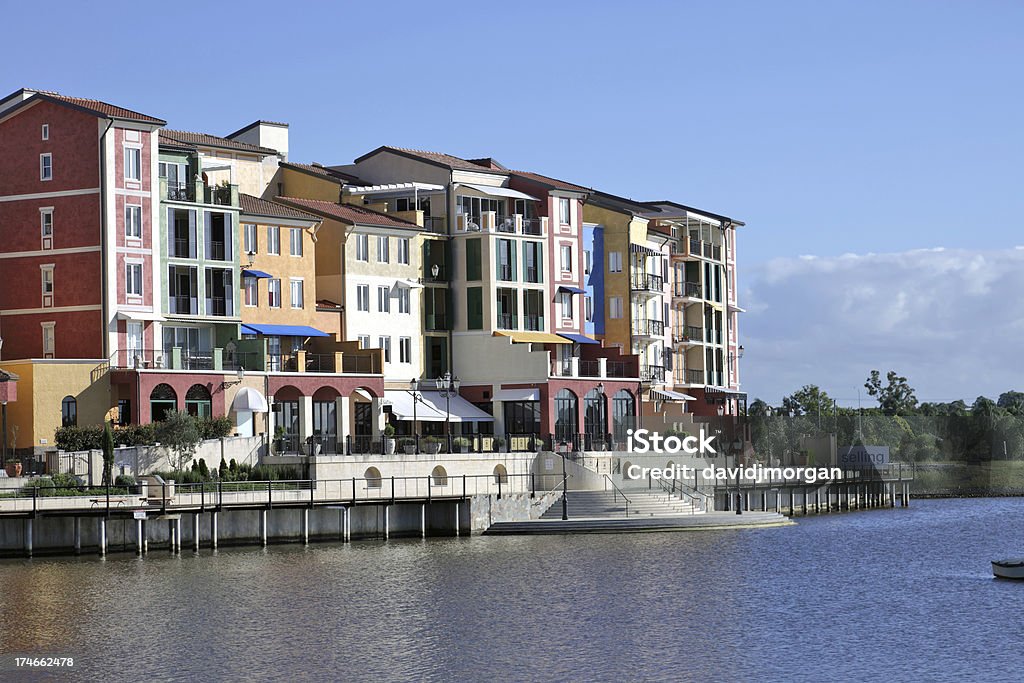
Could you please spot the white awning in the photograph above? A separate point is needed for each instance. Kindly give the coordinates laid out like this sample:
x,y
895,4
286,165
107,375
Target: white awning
x,y
517,395
402,406
139,315
250,399
411,284
461,409
666,395
500,191
393,188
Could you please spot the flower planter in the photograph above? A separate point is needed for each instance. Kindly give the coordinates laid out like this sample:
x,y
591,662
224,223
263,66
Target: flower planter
x,y
431,448
389,446
410,450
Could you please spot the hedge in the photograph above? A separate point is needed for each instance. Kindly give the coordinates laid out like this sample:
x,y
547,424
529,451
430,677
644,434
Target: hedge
x,y
91,437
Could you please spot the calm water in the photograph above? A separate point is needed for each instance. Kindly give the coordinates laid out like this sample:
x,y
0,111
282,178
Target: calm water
x,y
904,593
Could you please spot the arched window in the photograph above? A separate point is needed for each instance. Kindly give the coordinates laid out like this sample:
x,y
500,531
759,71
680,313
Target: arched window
x,y
566,416
162,400
198,401
439,477
372,477
625,471
623,414
595,416
500,474
69,412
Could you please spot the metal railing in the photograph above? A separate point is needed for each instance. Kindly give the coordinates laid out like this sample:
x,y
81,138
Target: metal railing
x,y
219,305
690,289
532,226
182,192
507,321
617,492
217,250
182,305
533,322
649,328
697,498
694,376
615,368
590,368
688,333
647,282
652,373
505,224
435,224
320,362
505,272
182,247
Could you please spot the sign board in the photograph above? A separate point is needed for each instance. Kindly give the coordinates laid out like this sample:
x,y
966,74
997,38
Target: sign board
x,y
140,514
549,464
862,457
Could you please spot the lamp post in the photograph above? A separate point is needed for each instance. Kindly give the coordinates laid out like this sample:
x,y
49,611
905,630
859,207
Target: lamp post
x,y
603,413
448,386
413,386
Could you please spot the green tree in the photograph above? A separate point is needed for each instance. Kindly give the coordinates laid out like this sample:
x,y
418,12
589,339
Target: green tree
x,y
1013,401
108,453
896,397
179,432
808,400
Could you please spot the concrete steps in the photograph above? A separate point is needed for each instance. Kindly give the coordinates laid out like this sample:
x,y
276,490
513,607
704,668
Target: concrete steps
x,y
610,505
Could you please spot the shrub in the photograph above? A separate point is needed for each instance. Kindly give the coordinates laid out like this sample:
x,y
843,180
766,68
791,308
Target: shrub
x,y
79,438
216,427
430,440
124,480
203,469
233,466
461,442
136,435
65,480
389,430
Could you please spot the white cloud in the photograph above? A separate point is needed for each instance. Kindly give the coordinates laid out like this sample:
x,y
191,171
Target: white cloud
x,y
951,320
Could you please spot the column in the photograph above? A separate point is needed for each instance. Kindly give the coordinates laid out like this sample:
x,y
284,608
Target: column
x,y
343,408
305,418
305,526
138,536
28,537
263,526
103,535
78,536
377,419
213,530
195,531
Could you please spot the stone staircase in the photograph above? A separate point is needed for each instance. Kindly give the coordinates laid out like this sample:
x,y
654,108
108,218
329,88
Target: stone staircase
x,y
643,503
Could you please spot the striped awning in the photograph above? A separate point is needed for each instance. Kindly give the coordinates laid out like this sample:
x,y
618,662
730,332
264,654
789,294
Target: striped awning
x,y
666,395
641,249
533,337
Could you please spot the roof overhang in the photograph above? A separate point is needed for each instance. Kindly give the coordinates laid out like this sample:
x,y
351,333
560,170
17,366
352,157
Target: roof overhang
x,y
392,188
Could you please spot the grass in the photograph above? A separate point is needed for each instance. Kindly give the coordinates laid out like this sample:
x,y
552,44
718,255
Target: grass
x,y
1003,477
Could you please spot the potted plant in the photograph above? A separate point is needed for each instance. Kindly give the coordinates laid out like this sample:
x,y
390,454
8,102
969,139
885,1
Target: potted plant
x,y
462,444
431,445
389,439
536,443
313,445
279,439
13,468
409,445
497,444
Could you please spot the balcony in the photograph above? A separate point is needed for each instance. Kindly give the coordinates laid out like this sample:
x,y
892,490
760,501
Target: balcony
x,y
181,193
182,305
590,369
508,321
220,306
490,221
691,290
435,224
533,323
506,224
648,328
688,334
694,376
645,282
222,195
533,227
182,248
695,248
653,373
217,251
505,273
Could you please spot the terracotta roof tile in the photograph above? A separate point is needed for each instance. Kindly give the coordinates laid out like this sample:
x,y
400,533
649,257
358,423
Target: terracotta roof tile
x,y
99,108
446,160
254,206
553,182
348,213
207,140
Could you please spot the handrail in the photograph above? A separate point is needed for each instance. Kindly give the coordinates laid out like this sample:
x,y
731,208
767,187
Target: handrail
x,y
618,491
702,502
554,488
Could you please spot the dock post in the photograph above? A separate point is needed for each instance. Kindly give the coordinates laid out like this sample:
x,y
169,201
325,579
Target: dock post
x,y
138,537
170,535
103,535
213,529
764,500
145,537
263,526
28,537
423,520
817,501
305,526
195,531
456,519
348,525
906,494
78,536
387,521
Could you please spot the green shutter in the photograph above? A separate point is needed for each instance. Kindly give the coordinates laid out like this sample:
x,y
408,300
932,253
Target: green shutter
x,y
473,265
475,308
513,251
540,262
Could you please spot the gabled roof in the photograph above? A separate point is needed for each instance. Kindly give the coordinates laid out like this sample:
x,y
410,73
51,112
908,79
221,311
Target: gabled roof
x,y
254,206
552,183
348,213
332,174
172,144
616,203
94,107
207,140
255,123
438,159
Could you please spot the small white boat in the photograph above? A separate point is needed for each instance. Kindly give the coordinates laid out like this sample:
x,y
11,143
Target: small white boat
x,y
1009,569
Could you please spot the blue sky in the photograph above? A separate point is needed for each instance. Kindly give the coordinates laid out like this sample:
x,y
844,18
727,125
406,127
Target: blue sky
x,y
830,128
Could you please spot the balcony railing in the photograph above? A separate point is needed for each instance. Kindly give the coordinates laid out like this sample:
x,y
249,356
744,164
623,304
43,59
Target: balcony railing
x,y
688,333
182,248
435,224
217,251
591,368
652,373
561,367
690,289
646,282
615,368
648,328
219,194
505,272
532,226
533,323
436,322
182,305
195,359
320,362
181,192
532,274
505,224
507,321
357,364
694,376
220,306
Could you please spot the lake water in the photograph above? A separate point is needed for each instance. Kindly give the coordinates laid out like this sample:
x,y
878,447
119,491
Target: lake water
x,y
905,593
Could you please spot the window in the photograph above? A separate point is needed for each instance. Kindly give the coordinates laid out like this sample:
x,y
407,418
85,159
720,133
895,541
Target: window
x,y
48,337
533,262
47,284
362,247
385,343
615,307
251,291
403,250
133,221
296,286
364,341
405,349
566,305
46,222
383,249
46,131
133,279
273,240
506,260
132,163
46,167
404,300
588,308
249,238
69,412
566,251
564,213
615,262
588,261
295,241
363,298
274,292
384,299
474,308
473,265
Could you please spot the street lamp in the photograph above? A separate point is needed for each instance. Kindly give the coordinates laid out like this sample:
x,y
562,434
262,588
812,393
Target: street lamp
x,y
413,386
448,386
603,413
241,376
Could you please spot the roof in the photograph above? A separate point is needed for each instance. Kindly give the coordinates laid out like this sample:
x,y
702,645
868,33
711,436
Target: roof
x,y
320,171
553,183
207,140
94,107
255,123
616,203
254,206
348,213
438,159
171,143
283,330
328,305
675,209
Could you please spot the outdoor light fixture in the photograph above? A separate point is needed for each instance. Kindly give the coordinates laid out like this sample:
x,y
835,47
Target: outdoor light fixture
x,y
240,374
435,270
448,386
251,256
600,388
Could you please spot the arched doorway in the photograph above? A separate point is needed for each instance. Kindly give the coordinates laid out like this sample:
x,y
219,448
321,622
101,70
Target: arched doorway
x,y
286,420
566,416
162,400
68,412
362,405
623,414
198,401
500,474
595,418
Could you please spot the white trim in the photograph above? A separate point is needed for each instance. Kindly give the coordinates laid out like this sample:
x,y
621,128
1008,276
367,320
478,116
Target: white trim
x,y
45,131
49,156
136,147
128,236
48,252
48,195
51,309
51,327
141,251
